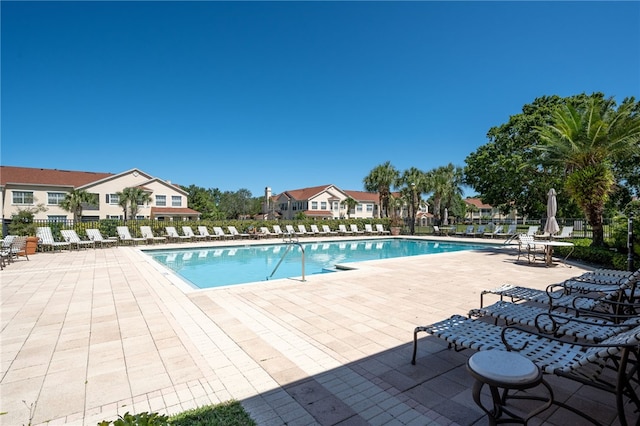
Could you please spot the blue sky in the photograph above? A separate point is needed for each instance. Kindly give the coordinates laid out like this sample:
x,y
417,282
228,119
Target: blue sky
x,y
289,95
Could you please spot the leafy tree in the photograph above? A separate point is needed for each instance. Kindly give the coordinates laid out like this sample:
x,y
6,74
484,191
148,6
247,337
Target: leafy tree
x,y
203,200
380,180
584,141
446,182
236,204
350,204
132,197
75,200
414,183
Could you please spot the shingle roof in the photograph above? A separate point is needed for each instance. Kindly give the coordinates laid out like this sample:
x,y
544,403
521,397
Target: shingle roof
x,y
478,203
306,193
363,196
31,176
173,210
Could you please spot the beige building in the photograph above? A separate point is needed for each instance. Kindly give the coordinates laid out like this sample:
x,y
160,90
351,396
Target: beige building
x,y
479,212
24,187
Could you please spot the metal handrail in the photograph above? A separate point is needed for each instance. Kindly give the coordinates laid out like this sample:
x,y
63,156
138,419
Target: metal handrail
x,y
290,242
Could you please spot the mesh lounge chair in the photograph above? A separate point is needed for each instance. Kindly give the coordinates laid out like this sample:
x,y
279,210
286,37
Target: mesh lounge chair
x,y
583,362
96,236
381,229
73,239
315,230
356,230
496,230
566,232
204,231
48,242
328,230
173,235
342,230
511,231
147,233
467,231
125,236
186,230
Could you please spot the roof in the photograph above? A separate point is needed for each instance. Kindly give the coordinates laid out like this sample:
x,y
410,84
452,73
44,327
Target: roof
x,y
307,193
477,202
35,176
182,211
319,213
363,196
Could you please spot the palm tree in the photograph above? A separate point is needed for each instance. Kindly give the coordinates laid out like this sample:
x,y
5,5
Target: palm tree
x,y
75,200
132,197
380,180
350,204
415,182
585,141
446,184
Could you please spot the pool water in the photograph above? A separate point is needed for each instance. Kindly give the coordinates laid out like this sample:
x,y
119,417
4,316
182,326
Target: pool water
x,y
222,266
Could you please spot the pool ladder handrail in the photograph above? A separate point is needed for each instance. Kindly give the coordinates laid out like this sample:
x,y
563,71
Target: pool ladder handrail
x,y
290,240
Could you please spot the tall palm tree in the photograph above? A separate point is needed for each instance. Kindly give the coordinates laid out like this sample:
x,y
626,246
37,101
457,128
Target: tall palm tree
x,y
350,204
415,182
380,180
446,184
75,200
585,141
132,197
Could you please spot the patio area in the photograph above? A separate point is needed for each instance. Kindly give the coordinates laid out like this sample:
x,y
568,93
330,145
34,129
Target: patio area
x,y
87,335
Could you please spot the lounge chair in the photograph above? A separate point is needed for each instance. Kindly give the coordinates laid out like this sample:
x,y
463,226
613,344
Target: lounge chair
x,y
74,239
355,230
566,232
302,230
220,233
342,230
48,242
147,233
496,230
277,230
479,232
204,231
188,231
533,230
467,231
96,236
289,229
315,230
328,230
16,246
266,232
527,245
570,360
511,231
125,236
368,229
235,234
381,229
172,234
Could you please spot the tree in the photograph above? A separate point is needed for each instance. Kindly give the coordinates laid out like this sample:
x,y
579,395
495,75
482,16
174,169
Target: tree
x,y
75,200
415,182
380,180
585,141
350,204
203,200
132,197
446,182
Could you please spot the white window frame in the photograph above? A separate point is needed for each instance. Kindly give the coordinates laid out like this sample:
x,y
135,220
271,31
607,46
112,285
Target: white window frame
x,y
56,218
176,201
59,197
110,199
314,205
23,195
161,201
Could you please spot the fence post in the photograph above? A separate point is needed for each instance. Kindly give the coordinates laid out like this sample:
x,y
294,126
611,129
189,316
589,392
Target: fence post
x,y
630,243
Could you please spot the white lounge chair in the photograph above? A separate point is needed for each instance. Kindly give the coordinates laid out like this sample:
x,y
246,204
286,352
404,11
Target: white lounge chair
x,y
381,229
173,235
266,232
566,232
125,236
220,233
74,239
356,230
96,236
468,231
302,230
291,230
368,229
315,230
186,230
342,230
492,233
147,233
277,230
235,234
204,231
328,230
511,231
48,242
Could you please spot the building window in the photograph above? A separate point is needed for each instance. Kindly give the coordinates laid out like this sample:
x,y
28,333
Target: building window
x,y
113,217
336,205
161,200
112,198
57,218
369,208
314,205
176,201
323,205
359,208
22,197
55,198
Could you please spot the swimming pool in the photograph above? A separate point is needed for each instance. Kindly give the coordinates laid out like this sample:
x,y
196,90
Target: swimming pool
x,y
210,267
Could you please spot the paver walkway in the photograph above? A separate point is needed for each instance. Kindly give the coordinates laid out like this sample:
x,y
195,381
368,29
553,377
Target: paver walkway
x,y
87,335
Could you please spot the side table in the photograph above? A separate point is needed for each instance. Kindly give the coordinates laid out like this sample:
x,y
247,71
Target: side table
x,y
507,371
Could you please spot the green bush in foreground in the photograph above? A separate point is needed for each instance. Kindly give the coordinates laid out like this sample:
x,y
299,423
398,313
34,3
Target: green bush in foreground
x,y
226,414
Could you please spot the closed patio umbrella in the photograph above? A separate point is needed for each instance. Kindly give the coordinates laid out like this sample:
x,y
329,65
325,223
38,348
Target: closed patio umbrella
x,y
445,220
551,227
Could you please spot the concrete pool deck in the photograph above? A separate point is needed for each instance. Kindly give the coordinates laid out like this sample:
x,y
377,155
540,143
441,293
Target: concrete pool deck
x,y
87,335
